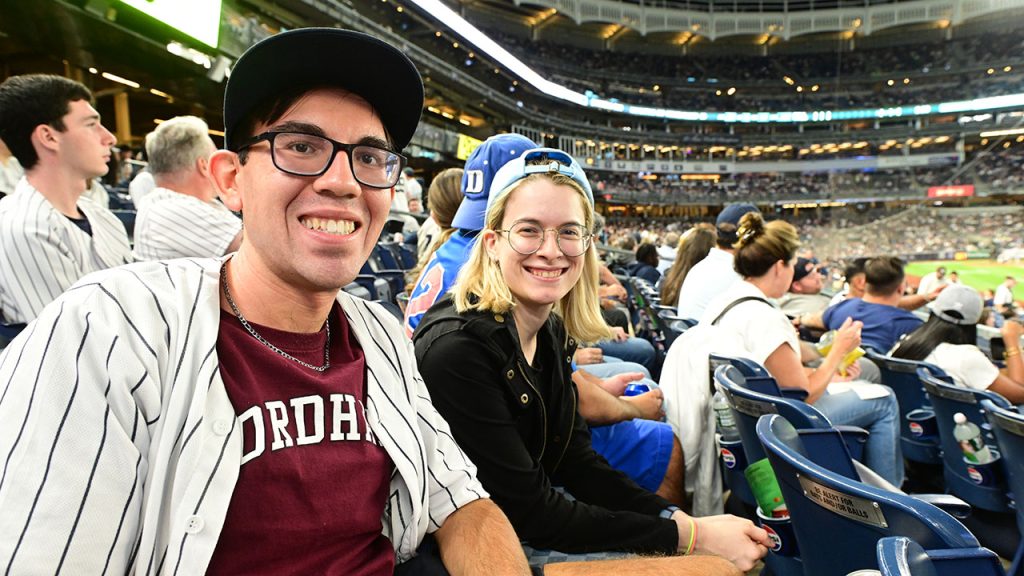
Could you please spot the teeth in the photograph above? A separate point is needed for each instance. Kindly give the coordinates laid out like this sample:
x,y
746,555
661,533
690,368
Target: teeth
x,y
339,227
547,273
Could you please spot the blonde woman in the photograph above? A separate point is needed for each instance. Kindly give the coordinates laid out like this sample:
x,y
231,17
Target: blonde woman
x,y
496,356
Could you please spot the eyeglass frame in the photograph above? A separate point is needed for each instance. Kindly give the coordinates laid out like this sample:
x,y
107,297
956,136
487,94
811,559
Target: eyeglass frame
x,y
270,135
587,239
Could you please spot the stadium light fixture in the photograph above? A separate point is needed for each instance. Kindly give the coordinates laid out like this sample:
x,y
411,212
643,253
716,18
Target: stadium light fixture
x,y
120,80
997,133
484,44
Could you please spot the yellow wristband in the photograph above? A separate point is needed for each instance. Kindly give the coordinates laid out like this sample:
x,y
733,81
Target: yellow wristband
x,y
1011,352
693,537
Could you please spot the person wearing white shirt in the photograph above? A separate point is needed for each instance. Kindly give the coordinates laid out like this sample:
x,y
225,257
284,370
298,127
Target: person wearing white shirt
x,y
182,216
1003,300
714,274
932,281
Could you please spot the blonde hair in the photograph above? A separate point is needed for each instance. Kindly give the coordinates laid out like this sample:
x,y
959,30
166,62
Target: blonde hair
x,y
761,245
481,284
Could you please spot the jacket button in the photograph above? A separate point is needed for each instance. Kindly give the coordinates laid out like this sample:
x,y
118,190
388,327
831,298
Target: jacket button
x,y
499,318
572,342
524,398
568,359
557,439
510,374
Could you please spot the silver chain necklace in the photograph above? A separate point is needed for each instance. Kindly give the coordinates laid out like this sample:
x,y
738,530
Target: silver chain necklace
x,y
262,340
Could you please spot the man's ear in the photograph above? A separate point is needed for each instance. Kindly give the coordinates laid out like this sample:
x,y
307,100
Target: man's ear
x,y
46,137
224,171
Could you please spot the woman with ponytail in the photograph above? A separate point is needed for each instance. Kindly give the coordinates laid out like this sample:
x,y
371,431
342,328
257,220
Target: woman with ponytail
x,y
754,328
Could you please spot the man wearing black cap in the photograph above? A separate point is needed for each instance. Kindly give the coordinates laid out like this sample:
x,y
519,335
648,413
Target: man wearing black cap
x,y
238,415
714,274
804,295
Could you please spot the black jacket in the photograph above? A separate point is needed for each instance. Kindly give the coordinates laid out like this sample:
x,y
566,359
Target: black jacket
x,y
525,436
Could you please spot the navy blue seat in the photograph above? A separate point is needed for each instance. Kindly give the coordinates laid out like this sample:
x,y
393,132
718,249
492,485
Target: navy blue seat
x,y
839,520
901,376
962,479
1008,427
8,332
901,556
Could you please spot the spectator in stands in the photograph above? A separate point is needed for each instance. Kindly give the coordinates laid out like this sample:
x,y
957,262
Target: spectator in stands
x,y
168,343
50,236
954,277
440,272
932,280
693,247
949,340
10,171
804,295
1003,300
140,187
183,217
757,330
667,250
646,265
495,358
884,321
444,197
715,274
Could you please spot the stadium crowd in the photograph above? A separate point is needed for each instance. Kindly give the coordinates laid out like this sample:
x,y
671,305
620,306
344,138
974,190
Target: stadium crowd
x,y
208,392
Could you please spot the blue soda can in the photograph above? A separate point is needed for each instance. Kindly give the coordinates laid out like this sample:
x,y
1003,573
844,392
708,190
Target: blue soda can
x,y
636,389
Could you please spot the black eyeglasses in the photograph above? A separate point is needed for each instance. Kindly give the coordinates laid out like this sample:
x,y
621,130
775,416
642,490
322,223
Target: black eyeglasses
x,y
302,154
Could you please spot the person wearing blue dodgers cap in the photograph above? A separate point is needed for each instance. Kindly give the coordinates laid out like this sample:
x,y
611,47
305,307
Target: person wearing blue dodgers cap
x,y
443,267
496,355
241,415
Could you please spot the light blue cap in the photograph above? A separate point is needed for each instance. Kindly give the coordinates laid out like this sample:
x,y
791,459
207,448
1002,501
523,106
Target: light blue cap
x,y
538,161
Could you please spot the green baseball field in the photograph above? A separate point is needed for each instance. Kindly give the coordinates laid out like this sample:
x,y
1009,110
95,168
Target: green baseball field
x,y
979,274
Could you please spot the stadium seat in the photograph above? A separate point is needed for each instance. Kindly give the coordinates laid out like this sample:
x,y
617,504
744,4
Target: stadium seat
x,y
980,487
1008,427
8,332
901,556
901,376
837,520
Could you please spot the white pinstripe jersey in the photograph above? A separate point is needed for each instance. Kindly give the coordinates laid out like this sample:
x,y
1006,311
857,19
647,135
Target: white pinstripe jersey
x,y
119,447
42,253
174,225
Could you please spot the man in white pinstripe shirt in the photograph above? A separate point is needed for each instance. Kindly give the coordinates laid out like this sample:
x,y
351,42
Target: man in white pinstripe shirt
x,y
50,235
240,415
182,216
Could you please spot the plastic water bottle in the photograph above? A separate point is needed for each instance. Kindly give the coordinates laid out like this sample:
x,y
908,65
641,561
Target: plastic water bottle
x,y
969,437
723,417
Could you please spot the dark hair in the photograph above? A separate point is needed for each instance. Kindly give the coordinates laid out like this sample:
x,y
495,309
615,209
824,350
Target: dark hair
x,y
693,247
268,111
883,275
647,254
761,245
921,342
29,101
854,268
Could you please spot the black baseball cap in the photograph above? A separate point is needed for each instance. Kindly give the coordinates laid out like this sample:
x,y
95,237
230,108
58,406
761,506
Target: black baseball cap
x,y
359,63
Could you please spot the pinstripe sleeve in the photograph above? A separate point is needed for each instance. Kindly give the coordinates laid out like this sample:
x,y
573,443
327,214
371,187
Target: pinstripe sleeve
x,y
35,267
451,476
78,398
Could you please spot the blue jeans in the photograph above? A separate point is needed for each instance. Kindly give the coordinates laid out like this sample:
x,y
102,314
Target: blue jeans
x,y
612,366
880,417
633,349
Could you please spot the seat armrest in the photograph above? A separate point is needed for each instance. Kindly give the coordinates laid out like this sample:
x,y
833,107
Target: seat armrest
x,y
855,438
794,393
948,503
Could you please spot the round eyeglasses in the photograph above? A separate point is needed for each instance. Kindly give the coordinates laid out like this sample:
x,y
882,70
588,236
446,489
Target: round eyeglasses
x,y
526,238
302,154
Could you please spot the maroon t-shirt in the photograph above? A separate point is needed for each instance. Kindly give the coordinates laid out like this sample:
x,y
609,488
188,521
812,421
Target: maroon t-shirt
x,y
314,480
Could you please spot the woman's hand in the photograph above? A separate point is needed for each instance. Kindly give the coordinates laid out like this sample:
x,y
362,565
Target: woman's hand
x,y
586,356
847,337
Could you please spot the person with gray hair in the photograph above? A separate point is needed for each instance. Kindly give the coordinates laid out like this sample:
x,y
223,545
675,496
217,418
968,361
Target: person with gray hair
x,y
182,216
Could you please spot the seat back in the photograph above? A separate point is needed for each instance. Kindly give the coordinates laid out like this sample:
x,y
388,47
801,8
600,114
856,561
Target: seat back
x,y
969,482
1008,428
901,556
901,376
838,521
